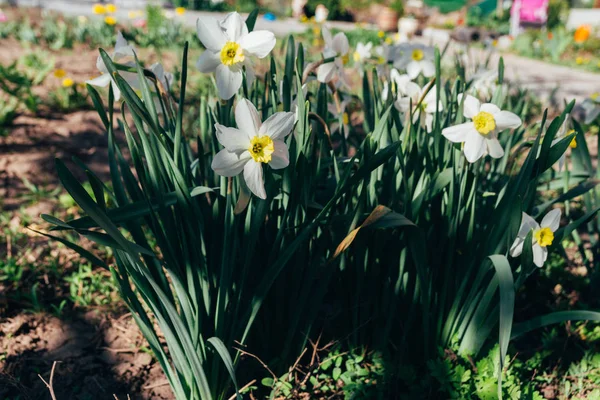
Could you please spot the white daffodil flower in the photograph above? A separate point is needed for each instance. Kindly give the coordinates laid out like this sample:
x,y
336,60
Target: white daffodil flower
x,y
400,81
165,78
362,54
122,51
253,144
333,109
336,47
485,83
229,46
409,101
416,59
543,236
564,131
480,134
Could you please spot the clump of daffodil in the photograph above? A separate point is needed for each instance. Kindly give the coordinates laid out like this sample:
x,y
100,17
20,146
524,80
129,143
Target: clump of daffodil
x,y
253,144
229,47
543,236
362,54
98,9
480,134
415,59
338,48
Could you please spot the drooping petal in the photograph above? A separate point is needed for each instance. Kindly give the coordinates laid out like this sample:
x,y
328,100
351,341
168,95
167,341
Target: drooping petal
x,y
539,255
506,120
527,224
327,36
226,163
253,175
552,220
517,247
475,147
490,108
258,43
232,139
413,69
340,43
100,81
428,68
210,33
228,81
429,122
208,62
281,156
278,125
494,148
247,118
122,48
413,91
458,133
403,104
234,26
471,106
326,72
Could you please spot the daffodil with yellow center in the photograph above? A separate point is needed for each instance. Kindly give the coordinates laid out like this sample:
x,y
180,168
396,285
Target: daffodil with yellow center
x,y
261,149
232,54
337,48
543,236
480,135
417,55
484,122
253,144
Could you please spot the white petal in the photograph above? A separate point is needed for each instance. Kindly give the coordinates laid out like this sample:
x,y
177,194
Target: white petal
x,y
517,247
459,133
100,81
539,255
490,108
494,148
281,156
471,105
258,43
506,119
413,91
232,139
403,104
116,90
552,220
428,68
327,36
429,122
253,175
234,26
474,147
326,72
527,224
208,61
226,163
340,43
247,118
278,125
413,69
228,81
122,49
210,33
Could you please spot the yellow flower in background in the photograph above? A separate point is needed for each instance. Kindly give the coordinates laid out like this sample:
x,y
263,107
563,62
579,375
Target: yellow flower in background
x,y
579,60
388,40
304,19
59,73
111,8
81,86
110,20
381,34
180,10
133,14
594,95
67,82
316,30
99,9
82,19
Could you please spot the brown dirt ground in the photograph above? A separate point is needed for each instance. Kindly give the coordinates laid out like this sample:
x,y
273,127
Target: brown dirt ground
x,y
98,356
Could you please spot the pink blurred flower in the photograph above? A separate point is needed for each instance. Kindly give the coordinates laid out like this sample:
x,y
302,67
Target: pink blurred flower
x,y
140,23
3,17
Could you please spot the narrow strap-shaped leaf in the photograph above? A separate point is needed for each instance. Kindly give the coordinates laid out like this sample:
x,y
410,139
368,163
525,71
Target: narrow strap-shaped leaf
x,y
226,357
